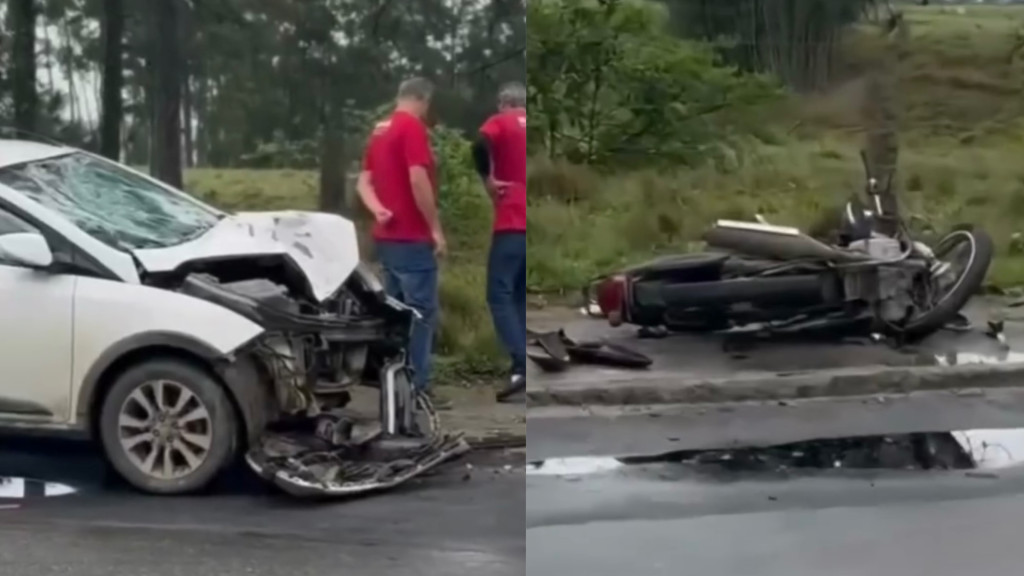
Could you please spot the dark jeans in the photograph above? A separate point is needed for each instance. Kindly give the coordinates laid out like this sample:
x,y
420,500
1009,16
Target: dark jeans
x,y
506,294
410,275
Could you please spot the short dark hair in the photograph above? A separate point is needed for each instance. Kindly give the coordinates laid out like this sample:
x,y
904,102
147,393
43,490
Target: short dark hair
x,y
418,88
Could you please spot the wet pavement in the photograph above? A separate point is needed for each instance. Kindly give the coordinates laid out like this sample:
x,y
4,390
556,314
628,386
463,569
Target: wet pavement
x,y
744,502
657,521
697,368
61,512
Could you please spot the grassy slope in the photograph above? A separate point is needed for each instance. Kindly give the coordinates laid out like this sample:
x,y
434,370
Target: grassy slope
x,y
962,144
467,343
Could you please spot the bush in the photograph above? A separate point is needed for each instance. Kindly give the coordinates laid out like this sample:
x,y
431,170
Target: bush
x,y
609,85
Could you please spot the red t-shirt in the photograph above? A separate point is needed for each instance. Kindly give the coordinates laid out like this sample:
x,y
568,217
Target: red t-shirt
x,y
396,145
506,133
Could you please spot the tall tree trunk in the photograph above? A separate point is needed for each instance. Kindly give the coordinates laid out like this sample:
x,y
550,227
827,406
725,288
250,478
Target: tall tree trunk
x,y
332,163
202,95
186,116
166,55
26,96
49,65
69,72
112,114
187,36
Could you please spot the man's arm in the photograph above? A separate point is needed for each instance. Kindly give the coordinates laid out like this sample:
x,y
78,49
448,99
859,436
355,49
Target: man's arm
x,y
482,157
367,194
417,154
364,186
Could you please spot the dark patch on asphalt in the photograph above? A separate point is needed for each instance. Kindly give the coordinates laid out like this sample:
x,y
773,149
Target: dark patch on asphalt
x,y
918,451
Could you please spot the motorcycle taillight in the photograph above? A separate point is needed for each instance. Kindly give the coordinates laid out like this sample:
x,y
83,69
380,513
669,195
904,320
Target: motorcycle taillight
x,y
611,298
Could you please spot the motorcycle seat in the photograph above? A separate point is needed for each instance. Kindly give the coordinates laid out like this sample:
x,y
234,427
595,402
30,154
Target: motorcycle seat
x,y
704,264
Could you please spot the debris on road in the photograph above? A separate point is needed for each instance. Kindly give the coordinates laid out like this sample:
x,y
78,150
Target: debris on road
x,y
555,351
345,464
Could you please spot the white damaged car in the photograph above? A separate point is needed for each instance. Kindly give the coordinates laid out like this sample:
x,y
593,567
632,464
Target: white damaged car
x,y
180,336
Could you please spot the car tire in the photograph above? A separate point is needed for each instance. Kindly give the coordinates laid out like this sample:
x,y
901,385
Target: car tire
x,y
199,442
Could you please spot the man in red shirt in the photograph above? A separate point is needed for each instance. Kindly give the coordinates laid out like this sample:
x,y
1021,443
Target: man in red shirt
x,y
398,185
500,159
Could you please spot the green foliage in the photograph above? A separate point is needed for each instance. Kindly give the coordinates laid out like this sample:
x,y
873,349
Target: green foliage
x,y
630,217
265,76
465,207
280,153
960,162
795,40
466,213
609,85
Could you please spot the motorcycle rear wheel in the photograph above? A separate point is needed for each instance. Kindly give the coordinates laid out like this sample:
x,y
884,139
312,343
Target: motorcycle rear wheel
x,y
968,283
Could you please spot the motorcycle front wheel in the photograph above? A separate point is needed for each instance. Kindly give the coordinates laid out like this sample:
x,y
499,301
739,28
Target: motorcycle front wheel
x,y
964,256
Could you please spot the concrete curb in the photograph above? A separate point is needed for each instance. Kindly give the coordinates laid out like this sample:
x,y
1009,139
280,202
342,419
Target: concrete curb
x,y
861,381
497,442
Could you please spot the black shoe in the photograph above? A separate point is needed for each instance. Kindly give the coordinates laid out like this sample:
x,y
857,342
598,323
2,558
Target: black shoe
x,y
516,385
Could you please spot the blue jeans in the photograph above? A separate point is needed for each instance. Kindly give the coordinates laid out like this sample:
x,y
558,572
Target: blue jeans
x,y
410,276
506,294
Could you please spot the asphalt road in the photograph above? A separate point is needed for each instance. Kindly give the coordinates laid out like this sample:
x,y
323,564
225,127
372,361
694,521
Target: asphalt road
x,y
657,522
643,430
463,521
668,519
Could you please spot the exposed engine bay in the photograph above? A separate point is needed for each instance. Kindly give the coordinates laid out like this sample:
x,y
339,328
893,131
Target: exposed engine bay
x,y
308,362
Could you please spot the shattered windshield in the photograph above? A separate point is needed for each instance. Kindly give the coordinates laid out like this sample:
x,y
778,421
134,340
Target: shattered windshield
x,y
119,208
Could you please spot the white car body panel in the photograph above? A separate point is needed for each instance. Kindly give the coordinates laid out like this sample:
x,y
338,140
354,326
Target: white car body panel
x,y
67,322
36,313
107,312
324,246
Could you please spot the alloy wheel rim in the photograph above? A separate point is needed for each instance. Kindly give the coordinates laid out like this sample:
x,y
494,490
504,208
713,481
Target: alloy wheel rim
x,y
165,429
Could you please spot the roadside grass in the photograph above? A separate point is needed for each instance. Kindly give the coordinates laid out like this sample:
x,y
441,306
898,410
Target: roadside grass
x,y
467,347
583,224
961,81
961,144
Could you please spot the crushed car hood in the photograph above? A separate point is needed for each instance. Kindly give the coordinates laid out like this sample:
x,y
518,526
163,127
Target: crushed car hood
x,y
324,246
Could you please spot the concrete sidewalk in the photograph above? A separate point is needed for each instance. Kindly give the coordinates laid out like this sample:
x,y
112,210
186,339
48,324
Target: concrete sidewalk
x,y
694,369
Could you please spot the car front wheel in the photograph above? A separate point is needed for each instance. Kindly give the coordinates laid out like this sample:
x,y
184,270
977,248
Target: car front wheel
x,y
168,427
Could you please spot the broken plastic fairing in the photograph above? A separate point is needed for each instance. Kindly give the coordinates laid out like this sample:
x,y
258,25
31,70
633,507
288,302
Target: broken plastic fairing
x,y
348,456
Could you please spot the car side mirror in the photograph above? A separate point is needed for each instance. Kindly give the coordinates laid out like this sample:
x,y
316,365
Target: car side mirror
x,y
26,249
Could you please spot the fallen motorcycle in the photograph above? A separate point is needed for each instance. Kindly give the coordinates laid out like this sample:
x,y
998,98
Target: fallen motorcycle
x,y
873,277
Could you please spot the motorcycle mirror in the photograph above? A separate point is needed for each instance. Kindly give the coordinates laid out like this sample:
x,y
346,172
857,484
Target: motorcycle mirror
x,y
864,163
